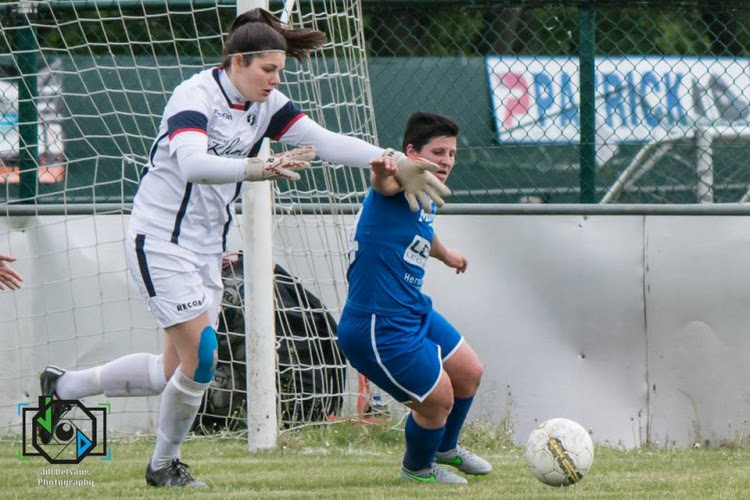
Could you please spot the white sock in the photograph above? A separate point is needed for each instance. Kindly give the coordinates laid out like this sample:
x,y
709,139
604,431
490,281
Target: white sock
x,y
79,384
140,374
178,407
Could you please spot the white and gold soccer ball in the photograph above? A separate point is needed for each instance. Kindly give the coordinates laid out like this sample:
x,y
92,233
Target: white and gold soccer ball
x,y
559,452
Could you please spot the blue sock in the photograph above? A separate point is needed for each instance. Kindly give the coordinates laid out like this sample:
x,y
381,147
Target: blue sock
x,y
455,423
421,445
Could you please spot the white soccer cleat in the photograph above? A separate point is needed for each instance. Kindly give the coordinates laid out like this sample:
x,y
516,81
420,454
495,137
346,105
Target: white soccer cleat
x,y
464,460
432,474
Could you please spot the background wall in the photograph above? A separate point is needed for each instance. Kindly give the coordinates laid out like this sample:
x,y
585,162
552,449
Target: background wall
x,y
632,325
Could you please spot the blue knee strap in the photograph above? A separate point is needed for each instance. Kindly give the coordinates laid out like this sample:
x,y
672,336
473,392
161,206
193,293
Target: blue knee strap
x,y
204,373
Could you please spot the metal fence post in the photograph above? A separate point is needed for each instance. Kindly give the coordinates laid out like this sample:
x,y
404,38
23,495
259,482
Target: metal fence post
x,y
587,64
28,133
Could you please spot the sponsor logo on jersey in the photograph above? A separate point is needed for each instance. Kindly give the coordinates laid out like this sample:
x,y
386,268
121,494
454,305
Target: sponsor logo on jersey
x,y
412,280
223,115
223,147
252,118
425,216
418,252
189,305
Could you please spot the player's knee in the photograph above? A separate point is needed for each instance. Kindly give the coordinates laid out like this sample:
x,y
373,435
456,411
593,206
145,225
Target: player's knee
x,y
445,411
466,382
437,412
207,346
479,373
440,402
474,377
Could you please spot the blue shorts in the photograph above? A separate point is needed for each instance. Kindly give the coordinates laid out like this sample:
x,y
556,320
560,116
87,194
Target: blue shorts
x,y
403,355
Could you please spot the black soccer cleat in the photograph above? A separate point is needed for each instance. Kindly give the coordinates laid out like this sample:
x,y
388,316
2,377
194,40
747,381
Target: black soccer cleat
x,y
174,474
48,382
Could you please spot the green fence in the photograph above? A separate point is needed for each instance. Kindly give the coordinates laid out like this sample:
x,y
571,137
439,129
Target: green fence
x,y
559,102
667,106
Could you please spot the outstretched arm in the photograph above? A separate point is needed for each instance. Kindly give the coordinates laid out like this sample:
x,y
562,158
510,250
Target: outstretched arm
x,y
330,146
8,277
203,168
449,257
382,177
413,174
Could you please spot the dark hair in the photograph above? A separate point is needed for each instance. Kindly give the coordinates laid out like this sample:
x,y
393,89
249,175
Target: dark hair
x,y
258,30
422,127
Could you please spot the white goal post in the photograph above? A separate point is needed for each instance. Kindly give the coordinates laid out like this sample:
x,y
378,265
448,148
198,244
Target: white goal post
x,y
260,332
258,243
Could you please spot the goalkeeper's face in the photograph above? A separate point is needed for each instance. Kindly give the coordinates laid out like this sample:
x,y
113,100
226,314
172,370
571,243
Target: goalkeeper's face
x,y
440,150
256,80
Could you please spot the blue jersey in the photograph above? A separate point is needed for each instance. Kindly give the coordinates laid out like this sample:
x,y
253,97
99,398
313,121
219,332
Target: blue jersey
x,y
389,253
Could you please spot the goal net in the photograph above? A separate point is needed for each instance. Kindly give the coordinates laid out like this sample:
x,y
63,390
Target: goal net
x,y
82,87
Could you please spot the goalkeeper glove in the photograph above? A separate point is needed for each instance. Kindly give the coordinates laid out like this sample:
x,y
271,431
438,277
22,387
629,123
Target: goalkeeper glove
x,y
279,166
415,176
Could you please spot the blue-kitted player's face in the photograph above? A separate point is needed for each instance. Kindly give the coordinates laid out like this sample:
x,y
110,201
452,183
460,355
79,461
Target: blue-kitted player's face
x,y
440,150
256,80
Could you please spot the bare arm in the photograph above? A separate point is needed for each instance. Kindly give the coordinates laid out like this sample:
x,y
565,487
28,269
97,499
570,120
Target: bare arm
x,y
449,257
8,277
382,177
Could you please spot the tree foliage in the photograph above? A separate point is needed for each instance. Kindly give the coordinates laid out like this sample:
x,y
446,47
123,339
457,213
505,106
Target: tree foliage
x,y
550,28
468,28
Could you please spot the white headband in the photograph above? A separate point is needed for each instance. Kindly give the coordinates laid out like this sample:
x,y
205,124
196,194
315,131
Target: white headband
x,y
256,52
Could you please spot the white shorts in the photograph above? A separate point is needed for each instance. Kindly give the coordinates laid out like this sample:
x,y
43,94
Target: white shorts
x,y
178,284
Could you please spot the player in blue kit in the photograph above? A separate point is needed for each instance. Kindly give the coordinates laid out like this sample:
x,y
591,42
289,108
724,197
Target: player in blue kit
x,y
389,331
205,151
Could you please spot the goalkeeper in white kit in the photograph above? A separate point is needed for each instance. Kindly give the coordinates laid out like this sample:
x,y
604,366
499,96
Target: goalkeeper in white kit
x,y
206,148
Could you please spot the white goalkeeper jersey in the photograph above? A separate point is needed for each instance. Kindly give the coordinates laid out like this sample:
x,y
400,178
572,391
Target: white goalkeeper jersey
x,y
198,216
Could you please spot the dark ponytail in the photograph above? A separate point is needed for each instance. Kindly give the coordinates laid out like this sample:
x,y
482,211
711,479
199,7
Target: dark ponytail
x,y
258,30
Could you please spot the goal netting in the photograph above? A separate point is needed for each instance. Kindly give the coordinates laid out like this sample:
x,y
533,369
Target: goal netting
x,y
82,86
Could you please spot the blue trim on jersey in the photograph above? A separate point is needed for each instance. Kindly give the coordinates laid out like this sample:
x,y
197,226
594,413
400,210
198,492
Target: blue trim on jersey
x,y
181,213
151,154
192,120
155,147
140,241
215,74
229,216
281,119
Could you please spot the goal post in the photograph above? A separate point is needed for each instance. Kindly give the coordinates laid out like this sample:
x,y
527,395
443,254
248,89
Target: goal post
x,y
260,332
342,65
104,71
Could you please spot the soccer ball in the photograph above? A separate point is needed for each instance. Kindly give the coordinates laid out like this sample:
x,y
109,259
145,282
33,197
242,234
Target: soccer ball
x,y
559,452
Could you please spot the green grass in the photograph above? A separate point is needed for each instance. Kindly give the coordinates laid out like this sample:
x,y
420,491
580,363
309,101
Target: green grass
x,y
360,461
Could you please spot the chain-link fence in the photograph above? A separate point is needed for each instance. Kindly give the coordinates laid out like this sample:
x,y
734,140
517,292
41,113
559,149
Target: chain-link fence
x,y
558,101
670,95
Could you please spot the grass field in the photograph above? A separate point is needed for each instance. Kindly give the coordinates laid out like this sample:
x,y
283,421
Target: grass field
x,y
356,461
